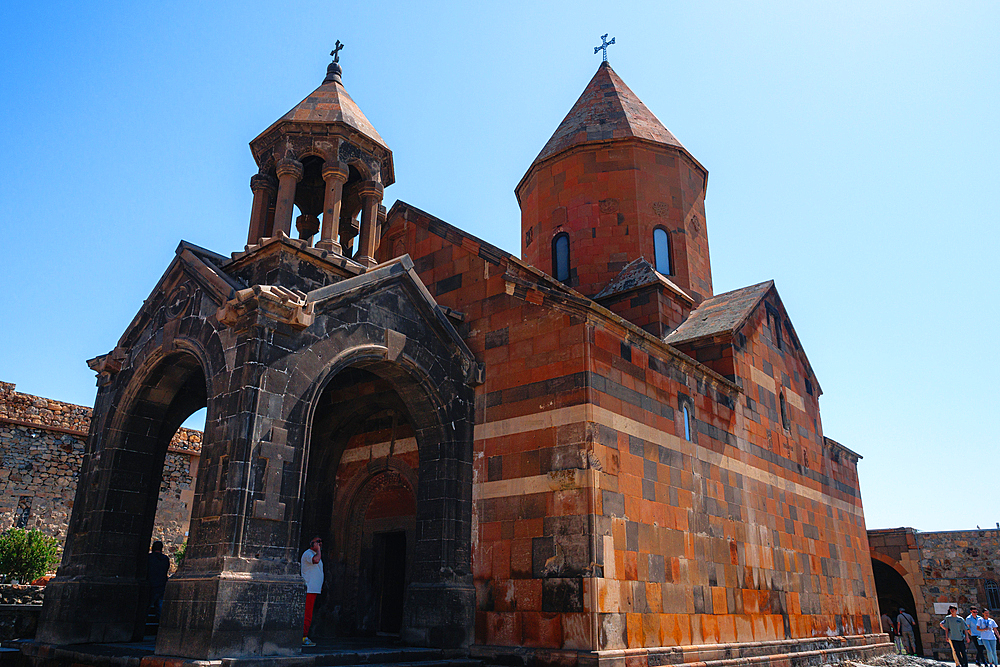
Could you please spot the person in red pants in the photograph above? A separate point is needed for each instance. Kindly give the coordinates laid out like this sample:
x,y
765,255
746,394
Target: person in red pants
x,y
312,572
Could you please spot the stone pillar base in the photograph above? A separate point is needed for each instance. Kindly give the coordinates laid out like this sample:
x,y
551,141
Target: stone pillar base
x,y
83,610
232,614
439,615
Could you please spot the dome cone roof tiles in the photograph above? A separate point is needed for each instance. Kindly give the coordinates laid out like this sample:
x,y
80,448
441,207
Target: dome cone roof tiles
x,y
328,104
606,110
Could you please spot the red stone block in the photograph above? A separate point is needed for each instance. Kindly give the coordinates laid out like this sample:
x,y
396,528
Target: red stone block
x,y
501,560
503,629
528,594
542,629
577,631
520,558
634,627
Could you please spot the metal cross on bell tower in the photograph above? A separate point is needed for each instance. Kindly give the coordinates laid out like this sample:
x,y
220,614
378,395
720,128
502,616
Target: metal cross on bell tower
x,y
336,52
604,45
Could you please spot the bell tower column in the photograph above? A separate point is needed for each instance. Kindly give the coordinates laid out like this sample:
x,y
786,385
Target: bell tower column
x,y
335,175
289,174
263,188
371,195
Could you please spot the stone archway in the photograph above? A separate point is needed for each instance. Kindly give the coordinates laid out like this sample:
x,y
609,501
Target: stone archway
x,y
264,359
104,560
894,593
374,482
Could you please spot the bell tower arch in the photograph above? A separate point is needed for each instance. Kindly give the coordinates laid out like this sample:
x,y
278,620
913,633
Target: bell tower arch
x,y
325,159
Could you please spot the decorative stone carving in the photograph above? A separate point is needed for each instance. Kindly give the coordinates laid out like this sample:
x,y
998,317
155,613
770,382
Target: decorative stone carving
x,y
107,365
609,205
275,302
178,302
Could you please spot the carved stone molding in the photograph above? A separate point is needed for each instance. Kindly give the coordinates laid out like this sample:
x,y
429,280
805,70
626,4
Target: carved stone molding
x,y
273,301
107,365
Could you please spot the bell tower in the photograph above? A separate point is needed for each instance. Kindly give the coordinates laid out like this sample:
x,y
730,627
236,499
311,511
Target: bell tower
x,y
610,187
325,159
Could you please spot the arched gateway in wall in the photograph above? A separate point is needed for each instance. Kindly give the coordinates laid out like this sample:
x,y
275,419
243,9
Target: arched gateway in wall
x,y
305,356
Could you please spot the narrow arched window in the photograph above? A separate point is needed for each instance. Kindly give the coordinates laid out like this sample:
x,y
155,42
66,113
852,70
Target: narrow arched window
x,y
993,594
785,423
685,409
560,257
661,251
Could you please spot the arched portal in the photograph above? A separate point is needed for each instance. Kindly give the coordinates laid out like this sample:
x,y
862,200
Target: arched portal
x,y
361,496
894,593
109,536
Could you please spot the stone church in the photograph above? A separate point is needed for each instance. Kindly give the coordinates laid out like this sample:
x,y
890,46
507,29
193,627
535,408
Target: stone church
x,y
579,455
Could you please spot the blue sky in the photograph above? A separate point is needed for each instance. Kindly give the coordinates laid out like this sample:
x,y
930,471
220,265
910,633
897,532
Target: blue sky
x,y
852,150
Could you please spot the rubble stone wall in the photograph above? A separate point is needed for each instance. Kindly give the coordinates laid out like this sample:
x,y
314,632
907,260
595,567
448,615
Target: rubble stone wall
x,y
961,567
41,449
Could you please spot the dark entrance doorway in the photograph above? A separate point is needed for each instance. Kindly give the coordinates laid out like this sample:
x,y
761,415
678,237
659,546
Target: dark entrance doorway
x,y
893,594
390,568
361,494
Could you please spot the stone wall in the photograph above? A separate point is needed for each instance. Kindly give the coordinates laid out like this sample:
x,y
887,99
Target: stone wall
x,y
41,448
959,567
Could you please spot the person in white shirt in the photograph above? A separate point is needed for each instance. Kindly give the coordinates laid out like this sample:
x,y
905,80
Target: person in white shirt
x,y
312,572
988,636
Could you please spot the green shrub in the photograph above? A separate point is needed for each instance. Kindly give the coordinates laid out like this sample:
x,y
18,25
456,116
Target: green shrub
x,y
180,553
25,555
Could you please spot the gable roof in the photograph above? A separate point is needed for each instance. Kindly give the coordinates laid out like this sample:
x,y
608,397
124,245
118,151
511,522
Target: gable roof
x,y
723,313
607,109
638,273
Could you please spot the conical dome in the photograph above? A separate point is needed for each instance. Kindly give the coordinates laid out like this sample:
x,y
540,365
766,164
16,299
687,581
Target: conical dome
x,y
613,185
606,110
328,104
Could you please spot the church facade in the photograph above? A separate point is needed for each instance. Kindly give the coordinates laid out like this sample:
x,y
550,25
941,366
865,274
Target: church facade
x,y
580,455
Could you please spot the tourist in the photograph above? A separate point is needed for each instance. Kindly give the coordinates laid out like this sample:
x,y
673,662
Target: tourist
x,y
157,568
988,637
888,627
904,627
312,572
956,630
972,620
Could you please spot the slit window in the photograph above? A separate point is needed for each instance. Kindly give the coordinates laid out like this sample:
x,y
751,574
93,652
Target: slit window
x,y
686,409
785,423
661,251
560,257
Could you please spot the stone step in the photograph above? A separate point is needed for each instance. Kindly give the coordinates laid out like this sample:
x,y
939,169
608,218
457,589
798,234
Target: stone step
x,y
440,662
400,657
10,657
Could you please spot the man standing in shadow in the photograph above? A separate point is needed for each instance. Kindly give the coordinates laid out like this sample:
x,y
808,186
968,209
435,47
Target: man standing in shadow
x,y
157,568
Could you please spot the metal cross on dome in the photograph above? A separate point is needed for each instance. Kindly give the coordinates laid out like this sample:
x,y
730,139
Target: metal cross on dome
x,y
604,45
336,51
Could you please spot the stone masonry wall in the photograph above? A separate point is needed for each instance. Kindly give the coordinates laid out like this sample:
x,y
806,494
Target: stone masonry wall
x,y
958,567
41,449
